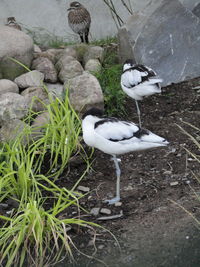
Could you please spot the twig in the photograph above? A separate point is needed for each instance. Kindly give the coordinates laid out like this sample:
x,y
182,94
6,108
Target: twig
x,y
114,11
120,21
129,10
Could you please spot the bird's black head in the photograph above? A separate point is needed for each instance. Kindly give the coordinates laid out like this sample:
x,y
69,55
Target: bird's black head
x,y
94,112
129,62
11,19
74,5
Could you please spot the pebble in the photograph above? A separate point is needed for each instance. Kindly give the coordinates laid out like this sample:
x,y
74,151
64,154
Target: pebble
x,y
95,211
101,246
118,204
83,188
173,183
105,211
167,172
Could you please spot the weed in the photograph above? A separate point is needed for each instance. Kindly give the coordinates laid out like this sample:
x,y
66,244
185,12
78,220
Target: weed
x,y
196,141
109,78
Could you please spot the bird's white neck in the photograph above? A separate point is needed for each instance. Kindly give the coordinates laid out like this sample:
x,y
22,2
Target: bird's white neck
x,y
88,130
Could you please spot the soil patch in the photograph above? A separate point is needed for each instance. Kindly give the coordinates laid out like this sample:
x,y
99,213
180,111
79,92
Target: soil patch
x,y
153,230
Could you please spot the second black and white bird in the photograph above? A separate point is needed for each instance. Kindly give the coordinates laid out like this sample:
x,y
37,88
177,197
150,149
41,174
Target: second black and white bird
x,y
138,81
116,137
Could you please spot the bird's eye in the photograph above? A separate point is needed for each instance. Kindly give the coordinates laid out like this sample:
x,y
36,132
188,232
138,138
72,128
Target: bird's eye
x,y
77,5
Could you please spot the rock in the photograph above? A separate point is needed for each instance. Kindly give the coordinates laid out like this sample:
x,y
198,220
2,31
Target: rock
x,y
52,54
173,183
80,50
118,204
29,79
7,86
69,68
93,52
85,92
56,90
45,66
83,188
14,44
34,96
166,40
11,129
196,10
93,65
70,51
12,106
95,211
105,211
38,125
36,49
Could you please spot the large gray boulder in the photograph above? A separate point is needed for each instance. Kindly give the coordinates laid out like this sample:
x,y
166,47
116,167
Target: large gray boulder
x,y
168,40
68,68
30,79
14,44
196,10
36,98
7,86
12,128
85,92
12,106
45,66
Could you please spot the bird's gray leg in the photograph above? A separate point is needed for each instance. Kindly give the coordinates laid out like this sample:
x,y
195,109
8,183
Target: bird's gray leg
x,y
86,36
118,173
138,112
81,36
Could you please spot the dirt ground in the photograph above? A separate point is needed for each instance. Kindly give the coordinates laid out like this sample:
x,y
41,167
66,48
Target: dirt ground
x,y
153,230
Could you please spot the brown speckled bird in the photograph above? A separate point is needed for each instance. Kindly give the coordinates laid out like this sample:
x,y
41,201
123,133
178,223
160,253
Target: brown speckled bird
x,y
79,20
11,22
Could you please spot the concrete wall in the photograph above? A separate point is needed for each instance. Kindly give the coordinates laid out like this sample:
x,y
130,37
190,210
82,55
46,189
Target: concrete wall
x,y
51,15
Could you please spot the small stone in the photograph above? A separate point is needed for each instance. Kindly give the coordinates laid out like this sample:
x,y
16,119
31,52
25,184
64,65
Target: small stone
x,y
95,211
173,183
196,87
101,246
83,188
187,182
105,211
190,159
118,204
167,172
128,188
37,49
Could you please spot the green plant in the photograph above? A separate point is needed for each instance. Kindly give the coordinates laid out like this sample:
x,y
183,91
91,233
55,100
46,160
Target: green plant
x,y
43,37
35,232
105,41
109,78
37,235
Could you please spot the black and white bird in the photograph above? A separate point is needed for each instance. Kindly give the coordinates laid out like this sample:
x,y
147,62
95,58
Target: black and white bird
x,y
138,81
79,20
116,137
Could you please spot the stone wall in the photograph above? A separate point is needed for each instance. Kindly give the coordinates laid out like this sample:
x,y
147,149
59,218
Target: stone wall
x,y
51,15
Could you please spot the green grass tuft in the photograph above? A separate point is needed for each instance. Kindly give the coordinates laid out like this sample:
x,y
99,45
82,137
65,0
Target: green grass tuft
x,y
114,97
